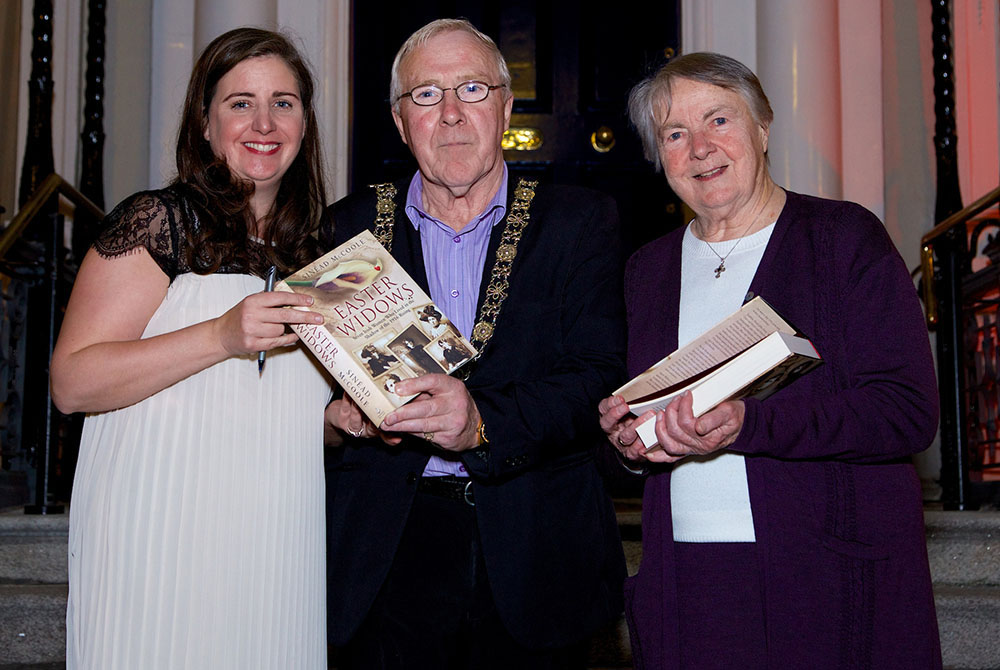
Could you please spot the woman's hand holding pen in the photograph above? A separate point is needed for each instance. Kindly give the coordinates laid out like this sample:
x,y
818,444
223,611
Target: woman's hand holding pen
x,y
257,323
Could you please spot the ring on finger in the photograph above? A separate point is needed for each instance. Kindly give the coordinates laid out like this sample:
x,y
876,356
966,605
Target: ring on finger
x,y
356,433
429,437
620,442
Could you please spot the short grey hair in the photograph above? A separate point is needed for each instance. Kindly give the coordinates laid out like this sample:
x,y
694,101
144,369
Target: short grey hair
x,y
704,67
433,29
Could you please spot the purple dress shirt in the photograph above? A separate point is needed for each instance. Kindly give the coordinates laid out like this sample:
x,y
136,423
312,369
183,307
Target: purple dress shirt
x,y
454,263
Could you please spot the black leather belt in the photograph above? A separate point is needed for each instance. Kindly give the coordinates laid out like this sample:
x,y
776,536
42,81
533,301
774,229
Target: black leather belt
x,y
458,489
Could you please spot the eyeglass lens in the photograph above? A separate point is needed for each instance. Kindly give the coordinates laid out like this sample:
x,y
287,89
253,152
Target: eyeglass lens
x,y
467,91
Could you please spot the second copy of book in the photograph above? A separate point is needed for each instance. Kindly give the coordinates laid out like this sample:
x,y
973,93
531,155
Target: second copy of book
x,y
750,354
379,325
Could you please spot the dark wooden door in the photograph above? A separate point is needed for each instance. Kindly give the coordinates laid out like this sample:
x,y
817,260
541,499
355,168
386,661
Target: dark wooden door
x,y
571,70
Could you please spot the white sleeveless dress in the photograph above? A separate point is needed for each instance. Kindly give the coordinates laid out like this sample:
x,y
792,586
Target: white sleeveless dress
x,y
197,532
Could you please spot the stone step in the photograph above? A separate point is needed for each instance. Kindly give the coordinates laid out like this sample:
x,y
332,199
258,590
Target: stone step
x,y
964,548
33,590
32,623
969,623
33,548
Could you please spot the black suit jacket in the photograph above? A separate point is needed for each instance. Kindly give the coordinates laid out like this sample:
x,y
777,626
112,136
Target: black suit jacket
x,y
548,530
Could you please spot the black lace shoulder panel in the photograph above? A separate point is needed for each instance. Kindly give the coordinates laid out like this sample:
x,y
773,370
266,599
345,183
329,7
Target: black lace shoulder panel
x,y
149,220
160,221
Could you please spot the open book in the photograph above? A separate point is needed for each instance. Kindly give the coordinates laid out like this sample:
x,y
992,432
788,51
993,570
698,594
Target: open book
x,y
751,353
379,326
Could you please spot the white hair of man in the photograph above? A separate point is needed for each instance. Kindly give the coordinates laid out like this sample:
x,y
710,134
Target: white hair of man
x,y
432,29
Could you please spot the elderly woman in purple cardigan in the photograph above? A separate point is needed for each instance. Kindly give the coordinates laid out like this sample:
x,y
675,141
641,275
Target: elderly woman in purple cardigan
x,y
788,532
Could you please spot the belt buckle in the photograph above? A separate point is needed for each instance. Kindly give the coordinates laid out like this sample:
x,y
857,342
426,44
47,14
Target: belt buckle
x,y
467,494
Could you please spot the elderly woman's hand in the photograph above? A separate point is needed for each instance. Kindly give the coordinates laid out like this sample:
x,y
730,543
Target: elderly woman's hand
x,y
619,426
681,434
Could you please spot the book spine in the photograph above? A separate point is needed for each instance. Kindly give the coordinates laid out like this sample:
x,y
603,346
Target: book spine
x,y
355,382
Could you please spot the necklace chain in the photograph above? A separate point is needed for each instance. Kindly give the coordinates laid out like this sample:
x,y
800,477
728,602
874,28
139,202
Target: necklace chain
x,y
721,267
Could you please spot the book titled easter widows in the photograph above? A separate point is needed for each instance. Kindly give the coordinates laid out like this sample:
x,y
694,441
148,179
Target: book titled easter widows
x,y
379,326
750,354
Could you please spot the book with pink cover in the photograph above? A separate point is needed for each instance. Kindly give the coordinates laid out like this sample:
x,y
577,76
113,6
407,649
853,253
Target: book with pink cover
x,y
379,325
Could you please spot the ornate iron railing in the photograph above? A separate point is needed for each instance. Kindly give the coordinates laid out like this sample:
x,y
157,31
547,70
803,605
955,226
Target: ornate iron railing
x,y
962,302
37,273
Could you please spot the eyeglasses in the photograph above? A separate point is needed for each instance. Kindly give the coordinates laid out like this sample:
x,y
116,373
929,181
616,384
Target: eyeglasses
x,y
467,91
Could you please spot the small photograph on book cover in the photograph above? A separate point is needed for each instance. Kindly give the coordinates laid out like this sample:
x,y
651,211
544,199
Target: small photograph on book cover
x,y
447,347
410,348
449,351
432,321
376,355
389,379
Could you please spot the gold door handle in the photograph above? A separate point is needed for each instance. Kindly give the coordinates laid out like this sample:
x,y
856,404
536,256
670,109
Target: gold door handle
x,y
602,139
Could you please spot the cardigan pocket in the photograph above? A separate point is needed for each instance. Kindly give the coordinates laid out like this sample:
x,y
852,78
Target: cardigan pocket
x,y
860,570
856,550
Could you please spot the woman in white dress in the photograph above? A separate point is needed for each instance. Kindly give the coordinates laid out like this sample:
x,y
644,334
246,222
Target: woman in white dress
x,y
196,523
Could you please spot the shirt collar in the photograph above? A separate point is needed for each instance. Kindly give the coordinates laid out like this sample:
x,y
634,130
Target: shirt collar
x,y
497,207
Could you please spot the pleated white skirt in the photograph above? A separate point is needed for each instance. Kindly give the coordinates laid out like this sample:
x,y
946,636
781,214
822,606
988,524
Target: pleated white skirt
x,y
197,518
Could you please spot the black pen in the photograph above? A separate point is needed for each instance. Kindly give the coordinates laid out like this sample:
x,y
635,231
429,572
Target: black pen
x,y
268,286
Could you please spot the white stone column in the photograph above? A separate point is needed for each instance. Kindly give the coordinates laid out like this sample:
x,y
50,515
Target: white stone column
x,y
798,64
861,105
214,17
724,26
976,45
322,29
171,55
128,100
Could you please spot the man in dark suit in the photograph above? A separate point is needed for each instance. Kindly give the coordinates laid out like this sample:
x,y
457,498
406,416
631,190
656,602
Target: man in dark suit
x,y
471,529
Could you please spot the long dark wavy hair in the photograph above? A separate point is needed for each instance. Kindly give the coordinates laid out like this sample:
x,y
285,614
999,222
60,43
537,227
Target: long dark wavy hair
x,y
222,200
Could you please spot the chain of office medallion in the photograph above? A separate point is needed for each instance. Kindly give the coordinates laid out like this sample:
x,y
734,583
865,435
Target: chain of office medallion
x,y
496,292
385,206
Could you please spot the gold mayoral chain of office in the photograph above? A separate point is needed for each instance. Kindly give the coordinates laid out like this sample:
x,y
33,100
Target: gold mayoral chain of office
x,y
496,293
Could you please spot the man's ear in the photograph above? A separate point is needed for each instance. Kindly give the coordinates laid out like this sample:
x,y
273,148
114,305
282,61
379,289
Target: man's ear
x,y
399,125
